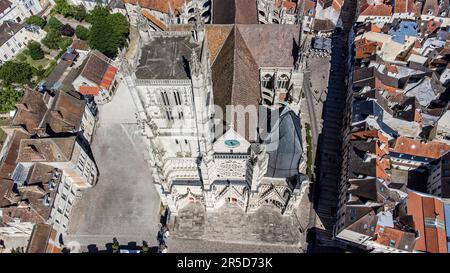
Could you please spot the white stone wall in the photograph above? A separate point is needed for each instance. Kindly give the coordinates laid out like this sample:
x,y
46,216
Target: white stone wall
x,y
88,124
20,10
66,195
89,5
17,43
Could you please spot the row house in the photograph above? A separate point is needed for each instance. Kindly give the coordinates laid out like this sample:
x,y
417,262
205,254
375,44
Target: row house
x,y
14,37
18,10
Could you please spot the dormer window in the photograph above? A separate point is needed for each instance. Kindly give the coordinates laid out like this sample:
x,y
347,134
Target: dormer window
x,y
283,81
267,81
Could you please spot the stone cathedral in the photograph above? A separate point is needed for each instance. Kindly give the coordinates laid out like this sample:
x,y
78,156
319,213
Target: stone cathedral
x,y
181,79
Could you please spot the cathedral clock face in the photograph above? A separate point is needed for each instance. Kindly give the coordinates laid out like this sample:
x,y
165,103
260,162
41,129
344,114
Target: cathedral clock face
x,y
232,143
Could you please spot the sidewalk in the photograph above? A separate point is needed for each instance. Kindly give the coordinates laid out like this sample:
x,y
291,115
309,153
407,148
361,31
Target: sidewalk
x,y
14,242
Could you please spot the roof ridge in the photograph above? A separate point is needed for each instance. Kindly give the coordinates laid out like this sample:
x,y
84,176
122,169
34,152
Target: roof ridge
x,y
224,41
59,148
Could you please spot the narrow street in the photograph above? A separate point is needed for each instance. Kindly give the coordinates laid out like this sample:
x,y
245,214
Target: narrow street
x,y
328,157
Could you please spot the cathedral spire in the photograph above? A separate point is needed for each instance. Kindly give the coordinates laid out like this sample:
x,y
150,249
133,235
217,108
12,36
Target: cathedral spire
x,y
199,27
194,64
300,16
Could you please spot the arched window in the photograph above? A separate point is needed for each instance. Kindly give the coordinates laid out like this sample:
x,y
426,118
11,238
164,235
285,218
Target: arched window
x,y
267,81
283,81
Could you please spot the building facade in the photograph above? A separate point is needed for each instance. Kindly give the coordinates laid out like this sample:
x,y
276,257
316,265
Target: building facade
x,y
14,38
18,10
183,85
162,14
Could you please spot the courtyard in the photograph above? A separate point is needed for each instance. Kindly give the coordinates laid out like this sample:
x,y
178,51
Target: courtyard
x,y
124,203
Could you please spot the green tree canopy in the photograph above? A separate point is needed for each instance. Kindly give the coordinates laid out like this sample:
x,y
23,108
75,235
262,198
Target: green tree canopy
x,y
54,24
9,98
82,32
35,51
108,32
36,20
52,39
64,8
13,72
79,13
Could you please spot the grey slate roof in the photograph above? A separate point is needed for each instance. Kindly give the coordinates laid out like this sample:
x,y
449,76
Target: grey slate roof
x,y
166,58
7,30
284,145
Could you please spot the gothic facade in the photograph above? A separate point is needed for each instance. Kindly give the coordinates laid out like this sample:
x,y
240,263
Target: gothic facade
x,y
162,14
181,80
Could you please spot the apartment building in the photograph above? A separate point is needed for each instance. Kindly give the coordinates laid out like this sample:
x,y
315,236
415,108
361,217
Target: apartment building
x,y
14,37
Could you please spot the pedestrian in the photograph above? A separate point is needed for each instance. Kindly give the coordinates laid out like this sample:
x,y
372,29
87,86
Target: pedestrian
x,y
2,244
115,246
145,247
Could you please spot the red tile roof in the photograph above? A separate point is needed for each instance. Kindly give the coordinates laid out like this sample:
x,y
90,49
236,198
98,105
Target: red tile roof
x,y
160,5
89,90
406,6
430,149
108,78
377,10
427,211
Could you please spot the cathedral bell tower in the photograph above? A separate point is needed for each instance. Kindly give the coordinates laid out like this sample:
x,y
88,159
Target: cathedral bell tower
x,y
202,93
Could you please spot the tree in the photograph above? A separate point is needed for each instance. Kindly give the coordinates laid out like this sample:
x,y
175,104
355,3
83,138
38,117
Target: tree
x,y
64,43
52,39
108,32
9,98
13,72
82,32
35,50
79,13
64,8
36,20
97,14
54,24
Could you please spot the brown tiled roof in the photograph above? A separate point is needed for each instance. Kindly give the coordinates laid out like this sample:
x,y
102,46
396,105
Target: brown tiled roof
x,y
431,149
6,187
235,12
30,111
216,36
65,114
423,208
39,238
154,20
271,45
406,6
431,5
25,213
46,149
377,10
395,238
9,162
238,55
95,67
8,30
158,5
4,4
80,45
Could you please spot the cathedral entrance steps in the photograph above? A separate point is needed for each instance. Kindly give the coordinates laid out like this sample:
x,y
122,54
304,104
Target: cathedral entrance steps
x,y
229,223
